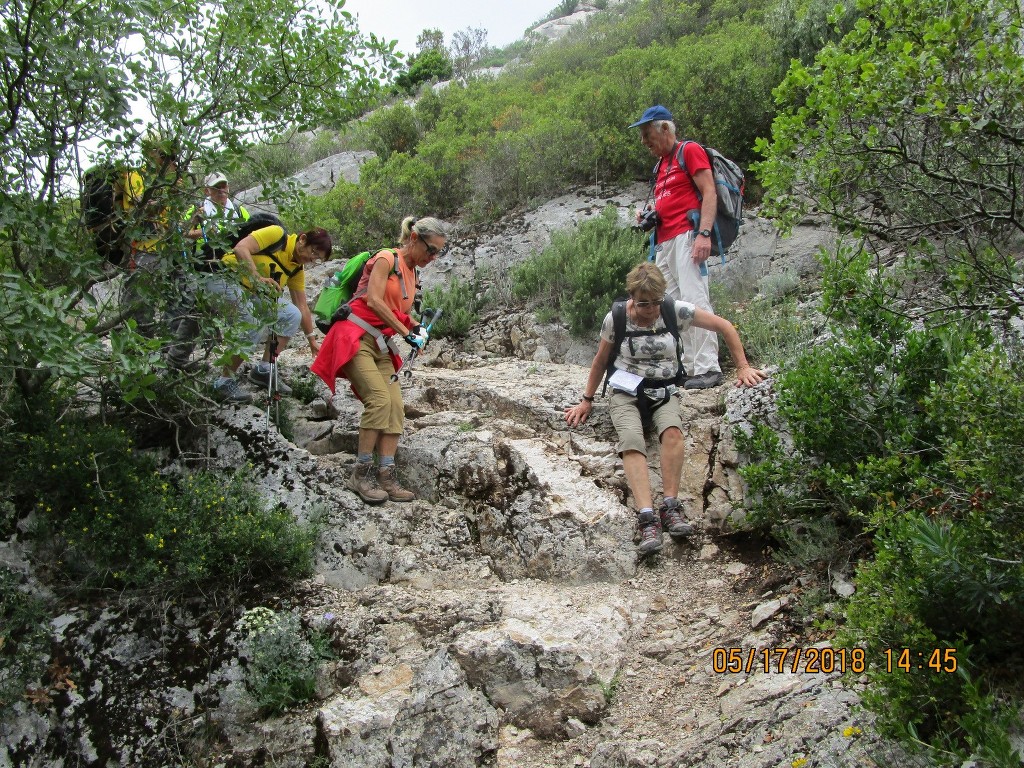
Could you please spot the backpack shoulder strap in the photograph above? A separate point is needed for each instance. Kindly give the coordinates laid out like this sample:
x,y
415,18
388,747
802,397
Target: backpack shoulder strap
x,y
619,333
681,159
668,316
394,271
618,324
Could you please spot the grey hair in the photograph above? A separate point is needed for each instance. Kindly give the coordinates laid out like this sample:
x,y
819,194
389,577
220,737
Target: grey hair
x,y
660,124
425,226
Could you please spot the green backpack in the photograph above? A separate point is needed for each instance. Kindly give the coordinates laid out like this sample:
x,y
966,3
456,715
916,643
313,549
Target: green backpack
x,y
341,287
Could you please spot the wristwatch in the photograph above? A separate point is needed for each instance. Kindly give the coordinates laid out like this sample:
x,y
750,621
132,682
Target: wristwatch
x,y
705,232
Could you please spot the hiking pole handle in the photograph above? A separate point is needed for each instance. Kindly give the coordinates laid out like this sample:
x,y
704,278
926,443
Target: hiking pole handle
x,y
415,351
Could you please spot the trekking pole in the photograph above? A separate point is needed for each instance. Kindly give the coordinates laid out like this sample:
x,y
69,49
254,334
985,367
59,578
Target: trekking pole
x,y
433,314
272,393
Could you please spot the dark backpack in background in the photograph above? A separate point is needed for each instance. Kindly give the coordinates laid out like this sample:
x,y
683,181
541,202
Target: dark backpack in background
x,y
212,248
235,231
729,186
668,317
101,214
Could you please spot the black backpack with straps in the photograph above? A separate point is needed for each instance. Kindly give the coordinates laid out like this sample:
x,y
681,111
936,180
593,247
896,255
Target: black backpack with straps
x,y
234,232
100,203
668,317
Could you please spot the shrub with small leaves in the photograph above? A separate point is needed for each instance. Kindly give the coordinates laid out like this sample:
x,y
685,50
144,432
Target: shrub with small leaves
x,y
581,273
24,639
282,658
460,302
105,514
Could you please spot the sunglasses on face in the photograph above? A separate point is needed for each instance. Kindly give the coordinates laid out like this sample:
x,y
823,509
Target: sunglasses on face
x,y
433,250
647,304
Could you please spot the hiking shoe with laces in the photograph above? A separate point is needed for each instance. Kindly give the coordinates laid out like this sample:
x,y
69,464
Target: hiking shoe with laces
x,y
704,380
363,482
387,479
229,391
672,520
262,378
650,533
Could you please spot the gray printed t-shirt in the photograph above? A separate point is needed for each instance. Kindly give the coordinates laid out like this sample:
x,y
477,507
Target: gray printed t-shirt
x,y
654,356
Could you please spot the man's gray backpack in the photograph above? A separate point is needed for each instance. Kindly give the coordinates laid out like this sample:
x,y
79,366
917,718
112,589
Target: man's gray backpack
x,y
729,184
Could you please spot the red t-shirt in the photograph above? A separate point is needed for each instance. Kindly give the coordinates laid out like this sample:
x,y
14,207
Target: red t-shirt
x,y
674,193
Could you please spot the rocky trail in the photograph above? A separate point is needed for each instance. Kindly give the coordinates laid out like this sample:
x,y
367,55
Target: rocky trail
x,y
504,620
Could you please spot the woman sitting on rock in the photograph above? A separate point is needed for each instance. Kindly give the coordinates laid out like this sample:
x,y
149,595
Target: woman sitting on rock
x,y
362,349
644,392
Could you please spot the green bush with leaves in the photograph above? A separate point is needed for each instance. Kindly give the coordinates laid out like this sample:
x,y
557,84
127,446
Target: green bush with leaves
x,y
430,65
393,130
581,273
774,332
909,436
108,517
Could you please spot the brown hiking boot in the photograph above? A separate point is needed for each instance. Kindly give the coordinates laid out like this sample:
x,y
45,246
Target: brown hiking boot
x,y
387,479
362,481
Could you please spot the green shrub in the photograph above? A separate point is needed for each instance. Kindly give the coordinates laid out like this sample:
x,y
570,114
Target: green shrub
x,y
282,658
460,302
304,386
584,269
393,130
111,518
772,333
24,639
925,588
908,438
426,66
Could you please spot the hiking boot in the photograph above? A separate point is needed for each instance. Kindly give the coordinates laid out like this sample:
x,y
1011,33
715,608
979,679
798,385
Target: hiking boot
x,y
650,533
704,380
229,391
672,521
387,479
262,378
184,365
363,482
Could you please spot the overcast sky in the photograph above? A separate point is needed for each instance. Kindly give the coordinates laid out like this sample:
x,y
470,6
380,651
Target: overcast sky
x,y
403,20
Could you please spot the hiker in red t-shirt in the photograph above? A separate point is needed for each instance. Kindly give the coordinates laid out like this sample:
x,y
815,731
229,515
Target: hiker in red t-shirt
x,y
681,247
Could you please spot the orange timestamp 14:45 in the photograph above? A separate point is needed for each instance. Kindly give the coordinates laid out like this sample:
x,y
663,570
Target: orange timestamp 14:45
x,y
934,659
828,660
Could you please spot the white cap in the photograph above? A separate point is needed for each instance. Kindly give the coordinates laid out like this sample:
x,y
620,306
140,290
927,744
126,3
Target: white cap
x,y
216,178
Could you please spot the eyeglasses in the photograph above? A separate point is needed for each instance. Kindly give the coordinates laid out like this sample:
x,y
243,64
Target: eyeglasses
x,y
433,250
647,304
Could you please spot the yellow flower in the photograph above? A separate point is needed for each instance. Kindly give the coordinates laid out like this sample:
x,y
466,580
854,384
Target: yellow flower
x,y
851,730
800,762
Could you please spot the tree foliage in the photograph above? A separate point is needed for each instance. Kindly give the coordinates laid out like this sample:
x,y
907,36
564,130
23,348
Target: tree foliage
x,y
468,46
427,66
212,76
911,130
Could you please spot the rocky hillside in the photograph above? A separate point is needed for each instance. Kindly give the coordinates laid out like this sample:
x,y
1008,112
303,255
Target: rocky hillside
x,y
502,618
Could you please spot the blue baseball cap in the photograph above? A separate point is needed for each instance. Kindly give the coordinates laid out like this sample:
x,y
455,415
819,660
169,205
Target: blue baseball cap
x,y
657,112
